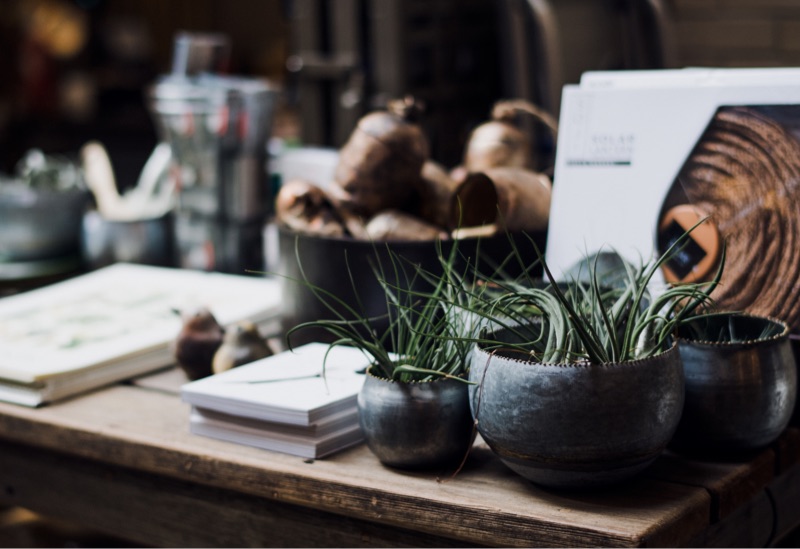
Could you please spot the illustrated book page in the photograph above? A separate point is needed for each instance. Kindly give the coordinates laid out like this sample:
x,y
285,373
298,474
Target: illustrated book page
x,y
113,314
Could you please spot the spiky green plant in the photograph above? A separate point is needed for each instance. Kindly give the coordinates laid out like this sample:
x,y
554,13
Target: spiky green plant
x,y
425,338
431,331
574,322
731,327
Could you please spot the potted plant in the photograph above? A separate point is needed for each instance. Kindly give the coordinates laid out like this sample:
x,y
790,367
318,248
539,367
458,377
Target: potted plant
x,y
578,384
741,382
413,408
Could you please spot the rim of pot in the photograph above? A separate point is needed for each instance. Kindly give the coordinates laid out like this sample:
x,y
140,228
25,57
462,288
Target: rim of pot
x,y
420,381
765,319
673,348
370,244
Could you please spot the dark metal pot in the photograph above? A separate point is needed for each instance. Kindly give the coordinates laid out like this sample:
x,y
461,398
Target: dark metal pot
x,y
147,241
326,262
414,425
40,224
739,395
576,426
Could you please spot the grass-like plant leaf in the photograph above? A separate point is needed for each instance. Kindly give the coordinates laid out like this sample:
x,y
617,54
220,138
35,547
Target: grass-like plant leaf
x,y
424,338
587,322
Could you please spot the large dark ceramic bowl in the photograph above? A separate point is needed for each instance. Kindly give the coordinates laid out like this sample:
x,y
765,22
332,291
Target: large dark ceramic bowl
x,y
739,395
344,267
576,426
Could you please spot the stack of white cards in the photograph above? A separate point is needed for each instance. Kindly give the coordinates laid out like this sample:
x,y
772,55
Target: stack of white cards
x,y
300,402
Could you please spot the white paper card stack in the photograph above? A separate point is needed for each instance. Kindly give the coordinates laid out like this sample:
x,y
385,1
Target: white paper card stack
x,y
300,402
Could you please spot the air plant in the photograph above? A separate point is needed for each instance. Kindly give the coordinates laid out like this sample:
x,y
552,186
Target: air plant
x,y
425,338
431,331
731,327
587,322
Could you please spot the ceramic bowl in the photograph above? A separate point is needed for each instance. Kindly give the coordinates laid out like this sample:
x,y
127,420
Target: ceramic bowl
x,y
144,241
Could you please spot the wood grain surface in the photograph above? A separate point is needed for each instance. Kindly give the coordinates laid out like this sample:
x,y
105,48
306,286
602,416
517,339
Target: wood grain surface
x,y
124,456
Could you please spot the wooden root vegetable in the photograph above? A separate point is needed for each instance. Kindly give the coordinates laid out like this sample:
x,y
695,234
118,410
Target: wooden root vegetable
x,y
522,203
380,164
500,142
397,225
306,208
455,203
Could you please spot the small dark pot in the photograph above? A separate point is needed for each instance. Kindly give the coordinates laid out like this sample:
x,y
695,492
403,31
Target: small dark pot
x,y
415,424
145,241
39,224
575,426
739,396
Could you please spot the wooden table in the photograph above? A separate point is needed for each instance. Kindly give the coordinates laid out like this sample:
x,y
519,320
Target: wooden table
x,y
122,460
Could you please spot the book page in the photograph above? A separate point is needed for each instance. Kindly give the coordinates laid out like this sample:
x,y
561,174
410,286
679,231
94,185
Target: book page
x,y
115,312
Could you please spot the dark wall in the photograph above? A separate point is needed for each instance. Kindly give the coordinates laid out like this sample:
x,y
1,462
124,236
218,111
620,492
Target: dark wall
x,y
75,70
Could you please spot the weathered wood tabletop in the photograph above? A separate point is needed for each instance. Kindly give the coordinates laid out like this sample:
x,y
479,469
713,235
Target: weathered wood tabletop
x,y
122,460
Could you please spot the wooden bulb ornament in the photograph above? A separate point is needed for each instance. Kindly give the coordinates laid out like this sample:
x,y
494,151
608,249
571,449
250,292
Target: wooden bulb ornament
x,y
397,225
306,208
522,198
380,164
197,342
242,344
499,142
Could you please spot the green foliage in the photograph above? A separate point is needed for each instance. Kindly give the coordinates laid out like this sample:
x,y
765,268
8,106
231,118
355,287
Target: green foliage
x,y
731,327
587,322
581,320
425,338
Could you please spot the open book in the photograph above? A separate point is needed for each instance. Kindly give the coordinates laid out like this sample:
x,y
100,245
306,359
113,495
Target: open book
x,y
112,324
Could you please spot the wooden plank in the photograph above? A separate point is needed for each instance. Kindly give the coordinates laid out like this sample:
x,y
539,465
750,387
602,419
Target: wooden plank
x,y
750,525
785,494
168,381
162,512
730,484
787,450
486,504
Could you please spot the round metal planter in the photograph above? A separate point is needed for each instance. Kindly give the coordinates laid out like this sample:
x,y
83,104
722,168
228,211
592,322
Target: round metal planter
x,y
416,424
576,426
739,395
39,224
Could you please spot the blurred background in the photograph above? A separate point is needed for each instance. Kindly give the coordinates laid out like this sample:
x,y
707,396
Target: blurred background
x,y
74,70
